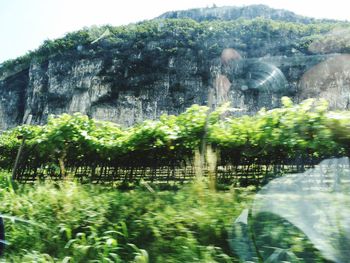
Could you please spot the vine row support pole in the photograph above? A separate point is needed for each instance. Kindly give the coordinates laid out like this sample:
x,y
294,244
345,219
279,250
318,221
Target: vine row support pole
x,y
19,153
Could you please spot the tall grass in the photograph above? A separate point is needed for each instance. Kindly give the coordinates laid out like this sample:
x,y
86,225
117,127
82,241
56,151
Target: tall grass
x,y
69,222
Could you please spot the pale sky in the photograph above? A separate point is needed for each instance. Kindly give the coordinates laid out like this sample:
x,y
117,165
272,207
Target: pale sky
x,y
25,24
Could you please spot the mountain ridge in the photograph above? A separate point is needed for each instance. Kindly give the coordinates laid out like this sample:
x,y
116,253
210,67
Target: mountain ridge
x,y
242,12
140,71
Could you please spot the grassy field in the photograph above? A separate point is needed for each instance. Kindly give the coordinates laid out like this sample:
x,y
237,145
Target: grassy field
x,y
69,222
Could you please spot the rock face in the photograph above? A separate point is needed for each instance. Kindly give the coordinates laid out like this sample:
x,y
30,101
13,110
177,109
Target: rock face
x,y
329,80
85,86
148,82
60,86
12,99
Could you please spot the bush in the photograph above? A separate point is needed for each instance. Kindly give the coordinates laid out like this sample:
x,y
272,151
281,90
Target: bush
x,y
81,223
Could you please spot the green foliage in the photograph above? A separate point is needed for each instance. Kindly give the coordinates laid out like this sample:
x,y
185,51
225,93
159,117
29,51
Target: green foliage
x,y
294,131
162,38
70,222
279,134
339,123
285,241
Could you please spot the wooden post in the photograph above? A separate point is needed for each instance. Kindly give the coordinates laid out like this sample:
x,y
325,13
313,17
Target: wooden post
x,y
19,153
2,236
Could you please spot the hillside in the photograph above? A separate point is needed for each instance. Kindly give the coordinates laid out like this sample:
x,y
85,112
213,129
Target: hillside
x,y
139,71
228,13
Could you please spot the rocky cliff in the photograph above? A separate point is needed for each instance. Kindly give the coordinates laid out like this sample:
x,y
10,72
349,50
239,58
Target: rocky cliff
x,y
165,65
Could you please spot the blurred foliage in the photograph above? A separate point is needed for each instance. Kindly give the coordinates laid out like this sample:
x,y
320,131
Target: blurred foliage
x,y
278,240
69,222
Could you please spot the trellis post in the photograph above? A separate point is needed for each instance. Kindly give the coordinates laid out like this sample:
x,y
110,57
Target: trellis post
x,y
19,153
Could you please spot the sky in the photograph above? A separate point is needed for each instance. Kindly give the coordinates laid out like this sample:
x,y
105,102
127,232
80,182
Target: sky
x,y
25,24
